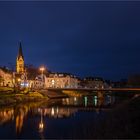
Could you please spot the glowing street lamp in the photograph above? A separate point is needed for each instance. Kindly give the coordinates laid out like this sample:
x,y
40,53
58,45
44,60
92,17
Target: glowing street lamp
x,y
42,71
19,79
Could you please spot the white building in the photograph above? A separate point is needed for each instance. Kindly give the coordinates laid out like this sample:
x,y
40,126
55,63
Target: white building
x,y
39,82
61,80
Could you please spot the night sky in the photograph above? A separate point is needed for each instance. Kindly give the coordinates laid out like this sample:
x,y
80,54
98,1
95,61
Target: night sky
x,y
84,38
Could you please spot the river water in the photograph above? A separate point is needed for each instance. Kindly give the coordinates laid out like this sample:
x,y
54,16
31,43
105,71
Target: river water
x,y
100,115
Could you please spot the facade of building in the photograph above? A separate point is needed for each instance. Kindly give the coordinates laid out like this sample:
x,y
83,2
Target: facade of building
x,y
93,82
6,79
61,80
39,82
21,75
20,61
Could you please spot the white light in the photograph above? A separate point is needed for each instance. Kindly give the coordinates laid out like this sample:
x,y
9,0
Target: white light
x,y
22,84
53,81
27,84
41,125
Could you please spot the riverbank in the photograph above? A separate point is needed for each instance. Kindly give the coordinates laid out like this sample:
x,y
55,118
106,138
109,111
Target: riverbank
x,y
10,97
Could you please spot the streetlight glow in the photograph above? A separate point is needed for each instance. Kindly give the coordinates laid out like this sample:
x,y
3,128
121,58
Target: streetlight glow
x,y
42,69
19,79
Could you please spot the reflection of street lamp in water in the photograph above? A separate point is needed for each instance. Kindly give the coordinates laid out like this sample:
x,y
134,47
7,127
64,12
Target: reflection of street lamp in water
x,y
41,125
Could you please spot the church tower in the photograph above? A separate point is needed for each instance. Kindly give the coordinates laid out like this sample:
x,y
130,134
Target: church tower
x,y
20,60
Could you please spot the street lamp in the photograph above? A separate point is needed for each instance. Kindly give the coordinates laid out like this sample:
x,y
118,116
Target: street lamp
x,y
19,79
42,70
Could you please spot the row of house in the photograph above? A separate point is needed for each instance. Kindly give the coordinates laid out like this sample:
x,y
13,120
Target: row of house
x,y
51,80
54,80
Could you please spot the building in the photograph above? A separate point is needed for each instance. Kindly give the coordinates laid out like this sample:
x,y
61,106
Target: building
x,y
21,74
39,82
61,80
20,61
93,82
6,78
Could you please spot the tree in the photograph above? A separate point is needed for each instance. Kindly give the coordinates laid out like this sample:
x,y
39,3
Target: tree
x,y
134,80
32,71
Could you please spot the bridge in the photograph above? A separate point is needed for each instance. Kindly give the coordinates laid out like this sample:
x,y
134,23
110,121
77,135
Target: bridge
x,y
53,93
93,89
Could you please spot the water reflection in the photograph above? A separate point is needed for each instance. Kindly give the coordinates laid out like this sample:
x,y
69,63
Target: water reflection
x,y
85,101
95,100
19,120
20,113
64,108
6,115
41,123
58,112
98,100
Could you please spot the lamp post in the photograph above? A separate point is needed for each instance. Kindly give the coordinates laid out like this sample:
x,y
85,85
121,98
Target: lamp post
x,y
42,71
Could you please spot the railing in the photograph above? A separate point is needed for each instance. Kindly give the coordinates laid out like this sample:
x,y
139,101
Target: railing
x,y
99,89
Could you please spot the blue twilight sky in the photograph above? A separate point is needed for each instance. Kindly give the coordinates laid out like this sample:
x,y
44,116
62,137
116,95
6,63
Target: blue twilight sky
x,y
83,38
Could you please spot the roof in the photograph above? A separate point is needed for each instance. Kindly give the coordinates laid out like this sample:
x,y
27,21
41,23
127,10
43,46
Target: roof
x,y
61,75
20,53
93,78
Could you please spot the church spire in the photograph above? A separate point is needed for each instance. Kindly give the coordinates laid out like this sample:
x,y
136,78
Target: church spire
x,y
20,54
20,60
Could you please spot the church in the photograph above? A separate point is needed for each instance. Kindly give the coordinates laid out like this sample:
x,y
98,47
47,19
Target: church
x,y
20,69
22,79
21,75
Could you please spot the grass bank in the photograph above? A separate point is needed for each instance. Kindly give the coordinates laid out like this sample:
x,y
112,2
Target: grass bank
x,y
9,97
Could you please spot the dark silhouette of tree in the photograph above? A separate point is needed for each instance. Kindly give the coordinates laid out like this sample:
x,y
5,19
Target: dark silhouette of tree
x,y
32,71
134,80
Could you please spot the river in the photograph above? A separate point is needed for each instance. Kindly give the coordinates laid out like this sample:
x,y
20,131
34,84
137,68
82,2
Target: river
x,y
100,115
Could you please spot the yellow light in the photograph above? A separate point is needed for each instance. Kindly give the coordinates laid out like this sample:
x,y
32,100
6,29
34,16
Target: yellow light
x,y
19,79
42,68
41,125
52,111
